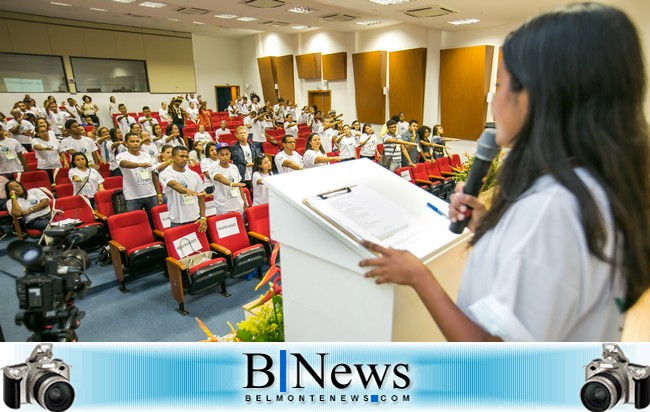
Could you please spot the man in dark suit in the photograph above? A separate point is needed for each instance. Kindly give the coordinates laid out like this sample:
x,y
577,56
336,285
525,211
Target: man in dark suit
x,y
243,152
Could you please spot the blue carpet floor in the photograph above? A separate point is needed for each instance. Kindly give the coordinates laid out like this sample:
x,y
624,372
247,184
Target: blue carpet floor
x,y
145,314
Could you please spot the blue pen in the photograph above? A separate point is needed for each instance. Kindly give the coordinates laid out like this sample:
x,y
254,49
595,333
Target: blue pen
x,y
435,209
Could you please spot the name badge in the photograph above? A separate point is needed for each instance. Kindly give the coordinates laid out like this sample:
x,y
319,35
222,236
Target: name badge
x,y
10,155
234,191
145,174
187,200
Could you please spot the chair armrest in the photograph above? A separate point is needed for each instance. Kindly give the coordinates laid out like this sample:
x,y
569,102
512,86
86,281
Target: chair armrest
x,y
447,173
175,271
118,252
436,177
259,237
423,182
100,216
159,234
220,249
18,227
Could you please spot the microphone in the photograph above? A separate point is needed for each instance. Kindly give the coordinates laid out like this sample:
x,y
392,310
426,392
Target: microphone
x,y
485,152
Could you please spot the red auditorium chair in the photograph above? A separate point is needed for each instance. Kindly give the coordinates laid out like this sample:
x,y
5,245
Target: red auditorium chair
x,y
259,228
230,240
104,204
193,268
161,220
113,182
454,161
78,207
64,190
31,180
134,251
445,167
421,176
61,175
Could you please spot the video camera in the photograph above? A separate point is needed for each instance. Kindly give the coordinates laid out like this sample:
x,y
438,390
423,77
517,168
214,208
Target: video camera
x,y
53,279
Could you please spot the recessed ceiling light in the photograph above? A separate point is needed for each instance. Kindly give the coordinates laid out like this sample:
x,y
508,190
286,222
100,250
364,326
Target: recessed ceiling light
x,y
301,27
123,1
61,4
152,4
247,19
302,10
368,22
198,22
173,19
226,16
464,21
92,8
390,2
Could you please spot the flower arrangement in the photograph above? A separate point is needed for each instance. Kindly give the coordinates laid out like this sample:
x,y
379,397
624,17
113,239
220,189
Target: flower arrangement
x,y
461,173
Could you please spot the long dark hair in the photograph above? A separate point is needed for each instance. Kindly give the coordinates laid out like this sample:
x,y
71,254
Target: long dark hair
x,y
309,139
583,71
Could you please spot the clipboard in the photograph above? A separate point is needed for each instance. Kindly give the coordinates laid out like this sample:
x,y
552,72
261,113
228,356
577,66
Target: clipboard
x,y
362,213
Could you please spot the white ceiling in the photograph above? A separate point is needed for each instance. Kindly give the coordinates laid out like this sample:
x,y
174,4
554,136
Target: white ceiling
x,y
490,12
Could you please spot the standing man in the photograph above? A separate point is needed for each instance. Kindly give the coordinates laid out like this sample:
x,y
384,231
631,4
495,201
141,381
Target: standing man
x,y
243,151
146,121
141,187
288,159
77,142
21,129
410,153
124,121
228,196
184,189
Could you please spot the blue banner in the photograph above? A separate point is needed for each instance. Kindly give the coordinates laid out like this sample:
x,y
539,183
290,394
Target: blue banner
x,y
236,376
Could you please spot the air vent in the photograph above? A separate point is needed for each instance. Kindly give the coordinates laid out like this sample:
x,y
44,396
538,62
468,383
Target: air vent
x,y
432,11
275,23
192,11
264,4
338,18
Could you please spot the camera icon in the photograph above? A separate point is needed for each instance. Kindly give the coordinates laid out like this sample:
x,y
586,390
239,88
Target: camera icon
x,y
613,380
40,379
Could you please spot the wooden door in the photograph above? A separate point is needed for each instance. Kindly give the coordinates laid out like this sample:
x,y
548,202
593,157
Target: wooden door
x,y
322,99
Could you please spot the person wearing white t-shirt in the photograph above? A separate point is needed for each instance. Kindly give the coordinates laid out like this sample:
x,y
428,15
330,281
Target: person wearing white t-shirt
x,y
32,205
148,147
76,142
202,135
290,127
184,189
347,144
315,155
124,120
210,159
222,129
228,196
163,113
49,153
140,184
21,129
253,123
368,142
12,155
192,113
85,180
146,121
261,168
288,159
56,118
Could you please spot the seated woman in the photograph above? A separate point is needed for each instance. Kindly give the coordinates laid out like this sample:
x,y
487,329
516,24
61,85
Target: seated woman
x,y
315,155
86,181
196,154
32,205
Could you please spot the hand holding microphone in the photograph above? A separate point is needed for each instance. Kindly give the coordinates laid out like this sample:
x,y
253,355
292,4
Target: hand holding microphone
x,y
486,152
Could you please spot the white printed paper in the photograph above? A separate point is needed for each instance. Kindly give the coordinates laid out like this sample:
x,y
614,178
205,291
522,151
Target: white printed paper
x,y
187,245
210,208
227,227
165,219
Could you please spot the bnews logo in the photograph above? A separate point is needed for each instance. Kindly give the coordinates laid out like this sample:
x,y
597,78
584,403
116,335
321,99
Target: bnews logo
x,y
294,371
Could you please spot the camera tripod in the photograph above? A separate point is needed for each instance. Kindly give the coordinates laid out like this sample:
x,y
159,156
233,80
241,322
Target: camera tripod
x,y
47,327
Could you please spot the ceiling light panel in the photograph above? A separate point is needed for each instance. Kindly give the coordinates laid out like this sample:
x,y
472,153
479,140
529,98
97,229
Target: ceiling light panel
x,y
368,22
226,16
198,22
464,21
152,4
61,4
95,9
301,27
302,10
124,1
391,2
247,19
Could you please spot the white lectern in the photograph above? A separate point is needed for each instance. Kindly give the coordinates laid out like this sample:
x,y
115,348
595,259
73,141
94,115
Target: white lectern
x,y
325,296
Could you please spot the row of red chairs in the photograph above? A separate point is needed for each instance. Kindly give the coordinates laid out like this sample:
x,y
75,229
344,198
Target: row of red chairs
x,y
136,250
437,176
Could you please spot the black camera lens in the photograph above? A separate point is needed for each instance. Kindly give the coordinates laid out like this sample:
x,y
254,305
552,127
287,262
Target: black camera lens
x,y
58,396
600,392
53,392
